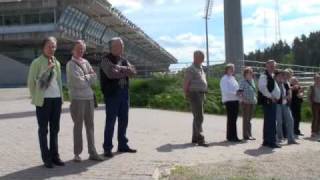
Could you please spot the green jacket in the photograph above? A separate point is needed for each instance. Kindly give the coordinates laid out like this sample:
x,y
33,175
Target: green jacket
x,y
38,67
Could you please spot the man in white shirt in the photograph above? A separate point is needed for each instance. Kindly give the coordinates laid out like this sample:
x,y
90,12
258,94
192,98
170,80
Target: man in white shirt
x,y
269,94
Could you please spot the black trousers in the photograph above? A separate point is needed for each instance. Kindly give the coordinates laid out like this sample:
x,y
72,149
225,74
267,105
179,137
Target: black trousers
x,y
49,114
232,108
296,113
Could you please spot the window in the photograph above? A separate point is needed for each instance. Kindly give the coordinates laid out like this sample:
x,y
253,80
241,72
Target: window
x,y
31,19
1,20
47,17
12,20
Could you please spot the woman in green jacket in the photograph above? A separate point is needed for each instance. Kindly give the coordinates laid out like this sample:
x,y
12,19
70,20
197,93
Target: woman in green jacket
x,y
45,86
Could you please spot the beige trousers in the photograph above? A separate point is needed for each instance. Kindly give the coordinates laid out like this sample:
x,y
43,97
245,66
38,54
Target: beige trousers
x,y
82,112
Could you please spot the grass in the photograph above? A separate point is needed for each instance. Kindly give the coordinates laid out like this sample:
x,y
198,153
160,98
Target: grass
x,y
245,171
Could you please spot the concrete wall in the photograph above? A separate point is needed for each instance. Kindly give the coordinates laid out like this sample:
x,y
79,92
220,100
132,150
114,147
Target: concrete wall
x,y
12,73
233,33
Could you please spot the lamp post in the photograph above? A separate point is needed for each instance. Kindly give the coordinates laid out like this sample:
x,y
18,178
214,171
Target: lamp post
x,y
208,12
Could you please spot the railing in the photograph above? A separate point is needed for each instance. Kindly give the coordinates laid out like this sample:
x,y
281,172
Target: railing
x,y
304,74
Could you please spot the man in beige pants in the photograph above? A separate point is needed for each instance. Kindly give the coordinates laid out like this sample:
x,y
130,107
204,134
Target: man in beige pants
x,y
81,76
195,87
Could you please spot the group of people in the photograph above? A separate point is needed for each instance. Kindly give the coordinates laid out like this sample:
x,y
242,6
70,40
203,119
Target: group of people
x,y
45,86
277,91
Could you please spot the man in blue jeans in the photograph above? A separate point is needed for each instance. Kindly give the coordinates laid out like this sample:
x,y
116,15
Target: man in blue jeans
x,y
268,95
114,78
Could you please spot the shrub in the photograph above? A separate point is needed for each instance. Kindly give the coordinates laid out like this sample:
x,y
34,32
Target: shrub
x,y
166,92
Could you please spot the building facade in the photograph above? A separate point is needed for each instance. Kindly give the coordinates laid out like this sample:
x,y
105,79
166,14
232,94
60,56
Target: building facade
x,y
25,23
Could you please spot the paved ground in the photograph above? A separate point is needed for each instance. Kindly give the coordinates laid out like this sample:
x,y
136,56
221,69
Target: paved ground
x,y
161,137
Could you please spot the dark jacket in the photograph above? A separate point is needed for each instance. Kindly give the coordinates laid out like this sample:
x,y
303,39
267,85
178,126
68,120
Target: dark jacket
x,y
110,77
270,85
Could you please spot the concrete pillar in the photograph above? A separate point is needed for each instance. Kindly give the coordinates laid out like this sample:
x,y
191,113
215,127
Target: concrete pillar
x,y
233,33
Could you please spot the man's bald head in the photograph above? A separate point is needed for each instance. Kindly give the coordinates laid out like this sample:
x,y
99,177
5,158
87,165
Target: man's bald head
x,y
271,65
198,57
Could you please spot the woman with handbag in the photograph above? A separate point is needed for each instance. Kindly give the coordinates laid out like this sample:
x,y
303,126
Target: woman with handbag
x,y
248,102
81,77
45,86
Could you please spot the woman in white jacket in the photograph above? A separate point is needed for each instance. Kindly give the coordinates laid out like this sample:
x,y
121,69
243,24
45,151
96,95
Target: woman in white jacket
x,y
230,92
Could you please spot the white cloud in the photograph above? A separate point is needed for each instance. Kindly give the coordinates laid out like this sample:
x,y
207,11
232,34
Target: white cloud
x,y
254,36
296,18
182,46
130,6
261,17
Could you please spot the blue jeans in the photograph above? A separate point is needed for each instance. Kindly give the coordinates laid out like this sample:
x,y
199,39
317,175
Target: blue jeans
x,y
269,124
284,116
117,106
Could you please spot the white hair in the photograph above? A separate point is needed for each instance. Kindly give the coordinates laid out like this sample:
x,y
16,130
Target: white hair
x,y
114,39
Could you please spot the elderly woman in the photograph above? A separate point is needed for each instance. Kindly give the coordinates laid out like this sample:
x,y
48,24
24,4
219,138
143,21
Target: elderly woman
x,y
230,97
81,77
295,105
45,85
248,102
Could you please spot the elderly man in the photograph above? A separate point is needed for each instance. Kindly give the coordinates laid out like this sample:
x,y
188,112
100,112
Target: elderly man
x,y
268,95
115,73
195,87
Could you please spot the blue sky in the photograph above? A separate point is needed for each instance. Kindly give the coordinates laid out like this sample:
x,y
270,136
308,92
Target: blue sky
x,y
178,26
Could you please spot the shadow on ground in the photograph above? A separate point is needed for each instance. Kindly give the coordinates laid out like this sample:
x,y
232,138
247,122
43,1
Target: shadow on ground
x,y
171,147
258,152
41,173
225,143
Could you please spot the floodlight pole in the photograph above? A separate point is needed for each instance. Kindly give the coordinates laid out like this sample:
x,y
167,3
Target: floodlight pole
x,y
208,10
207,46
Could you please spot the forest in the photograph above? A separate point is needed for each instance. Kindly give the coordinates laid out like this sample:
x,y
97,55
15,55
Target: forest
x,y
305,50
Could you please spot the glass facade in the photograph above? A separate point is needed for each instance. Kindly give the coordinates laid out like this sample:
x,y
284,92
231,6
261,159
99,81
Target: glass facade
x,y
31,19
73,22
94,31
27,17
46,17
11,20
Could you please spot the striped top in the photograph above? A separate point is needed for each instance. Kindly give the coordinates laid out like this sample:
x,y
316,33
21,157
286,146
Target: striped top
x,y
197,78
249,91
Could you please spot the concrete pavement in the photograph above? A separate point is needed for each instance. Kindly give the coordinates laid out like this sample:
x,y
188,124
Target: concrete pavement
x,y
161,137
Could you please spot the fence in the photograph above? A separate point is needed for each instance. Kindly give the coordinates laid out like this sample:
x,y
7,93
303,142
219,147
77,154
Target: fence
x,y
304,74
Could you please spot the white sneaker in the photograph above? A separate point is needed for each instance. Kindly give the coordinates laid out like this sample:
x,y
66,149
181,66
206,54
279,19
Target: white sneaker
x,y
77,158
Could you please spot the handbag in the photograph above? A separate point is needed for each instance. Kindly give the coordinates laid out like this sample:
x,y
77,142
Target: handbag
x,y
94,94
45,79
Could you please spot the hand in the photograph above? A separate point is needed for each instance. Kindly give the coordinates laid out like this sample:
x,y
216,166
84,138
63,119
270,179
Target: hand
x,y
92,72
51,63
132,69
240,93
274,100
